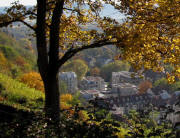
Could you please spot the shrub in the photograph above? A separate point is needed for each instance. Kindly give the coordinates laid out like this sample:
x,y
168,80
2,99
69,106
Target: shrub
x,y
33,80
161,82
95,71
175,86
65,100
15,93
144,86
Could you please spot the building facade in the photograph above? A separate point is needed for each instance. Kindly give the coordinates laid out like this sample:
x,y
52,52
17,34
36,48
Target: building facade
x,y
124,89
92,83
70,78
126,77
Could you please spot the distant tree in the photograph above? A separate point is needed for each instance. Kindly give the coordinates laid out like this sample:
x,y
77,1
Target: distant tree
x,y
106,70
3,62
33,80
78,66
161,84
9,52
15,71
26,43
175,86
20,61
95,71
144,86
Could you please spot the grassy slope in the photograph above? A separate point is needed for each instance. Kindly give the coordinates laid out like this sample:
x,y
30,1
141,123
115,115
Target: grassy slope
x,y
18,95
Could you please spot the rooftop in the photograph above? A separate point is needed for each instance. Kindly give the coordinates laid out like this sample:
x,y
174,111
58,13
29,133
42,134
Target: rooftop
x,y
68,74
92,78
126,74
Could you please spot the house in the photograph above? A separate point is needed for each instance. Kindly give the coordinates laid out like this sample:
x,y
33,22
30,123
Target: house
x,y
174,117
70,78
91,94
126,77
124,89
127,103
92,83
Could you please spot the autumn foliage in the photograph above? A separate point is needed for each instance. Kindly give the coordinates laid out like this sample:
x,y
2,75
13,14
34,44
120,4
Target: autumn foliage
x,y
65,100
144,86
95,71
3,62
20,61
33,80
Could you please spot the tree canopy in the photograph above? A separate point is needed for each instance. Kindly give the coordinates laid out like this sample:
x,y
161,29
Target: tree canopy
x,y
152,34
106,70
78,66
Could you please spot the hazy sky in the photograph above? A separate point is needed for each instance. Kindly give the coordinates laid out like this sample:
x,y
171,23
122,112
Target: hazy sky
x,y
25,2
108,10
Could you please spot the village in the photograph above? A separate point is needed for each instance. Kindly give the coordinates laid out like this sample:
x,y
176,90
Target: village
x,y
122,95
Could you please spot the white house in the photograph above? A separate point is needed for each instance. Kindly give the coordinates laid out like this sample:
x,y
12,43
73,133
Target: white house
x,y
70,78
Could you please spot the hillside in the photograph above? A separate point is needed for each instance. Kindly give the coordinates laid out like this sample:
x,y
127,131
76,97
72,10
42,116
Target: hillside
x,y
18,95
16,57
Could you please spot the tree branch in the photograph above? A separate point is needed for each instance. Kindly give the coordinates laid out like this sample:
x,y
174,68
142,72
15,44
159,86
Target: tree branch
x,y
28,25
54,33
74,10
5,24
71,52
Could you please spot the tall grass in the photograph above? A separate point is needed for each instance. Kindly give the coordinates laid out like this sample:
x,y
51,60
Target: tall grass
x,y
15,93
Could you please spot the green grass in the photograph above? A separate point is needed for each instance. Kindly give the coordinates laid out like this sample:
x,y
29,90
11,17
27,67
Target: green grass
x,y
19,95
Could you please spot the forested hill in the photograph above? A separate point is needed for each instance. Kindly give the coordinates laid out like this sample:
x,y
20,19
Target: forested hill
x,y
16,57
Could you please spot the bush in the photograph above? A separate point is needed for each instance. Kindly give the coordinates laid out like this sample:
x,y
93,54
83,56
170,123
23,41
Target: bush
x,y
163,84
33,80
16,93
144,86
95,71
175,86
8,52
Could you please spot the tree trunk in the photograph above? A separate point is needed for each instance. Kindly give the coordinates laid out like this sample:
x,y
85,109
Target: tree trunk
x,y
52,107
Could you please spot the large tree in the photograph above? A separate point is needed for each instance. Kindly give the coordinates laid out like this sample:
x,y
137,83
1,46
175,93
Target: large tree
x,y
60,31
149,38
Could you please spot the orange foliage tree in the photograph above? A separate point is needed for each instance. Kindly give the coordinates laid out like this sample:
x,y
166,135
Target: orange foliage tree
x,y
95,71
33,80
144,86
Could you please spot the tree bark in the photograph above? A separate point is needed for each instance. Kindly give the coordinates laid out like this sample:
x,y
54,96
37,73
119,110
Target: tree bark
x,y
52,107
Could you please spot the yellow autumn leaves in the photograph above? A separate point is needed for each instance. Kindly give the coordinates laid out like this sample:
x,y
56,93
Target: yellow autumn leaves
x,y
65,104
33,80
